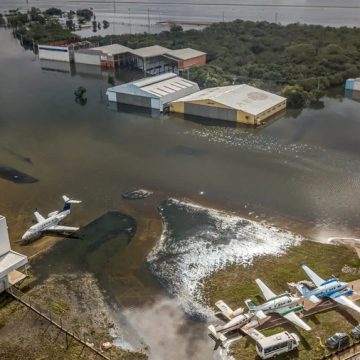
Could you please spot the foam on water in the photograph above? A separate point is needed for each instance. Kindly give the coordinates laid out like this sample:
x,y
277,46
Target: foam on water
x,y
247,140
197,241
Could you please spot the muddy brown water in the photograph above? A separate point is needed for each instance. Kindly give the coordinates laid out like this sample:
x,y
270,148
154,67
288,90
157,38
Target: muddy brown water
x,y
302,169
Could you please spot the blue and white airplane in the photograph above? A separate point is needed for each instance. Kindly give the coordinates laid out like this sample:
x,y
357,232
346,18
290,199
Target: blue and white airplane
x,y
51,223
330,289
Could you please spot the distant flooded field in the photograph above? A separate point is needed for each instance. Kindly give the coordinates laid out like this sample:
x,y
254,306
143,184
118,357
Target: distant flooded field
x,y
143,16
300,173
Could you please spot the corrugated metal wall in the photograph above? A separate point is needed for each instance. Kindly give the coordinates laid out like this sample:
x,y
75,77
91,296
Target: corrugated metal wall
x,y
90,59
133,100
211,112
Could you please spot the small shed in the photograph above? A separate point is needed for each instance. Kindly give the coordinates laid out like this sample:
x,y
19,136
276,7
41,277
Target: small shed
x,y
10,261
238,103
153,92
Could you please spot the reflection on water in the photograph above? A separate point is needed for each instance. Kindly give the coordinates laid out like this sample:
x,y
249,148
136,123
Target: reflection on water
x,y
91,249
16,176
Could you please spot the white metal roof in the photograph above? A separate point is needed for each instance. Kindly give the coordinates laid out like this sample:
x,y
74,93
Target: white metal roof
x,y
167,87
240,97
150,51
11,261
113,49
185,54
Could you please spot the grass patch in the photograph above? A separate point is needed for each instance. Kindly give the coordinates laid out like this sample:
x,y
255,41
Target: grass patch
x,y
58,307
234,284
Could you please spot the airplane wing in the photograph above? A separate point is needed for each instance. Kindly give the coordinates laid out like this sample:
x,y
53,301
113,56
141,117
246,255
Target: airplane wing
x,y
38,217
291,316
268,294
60,228
343,300
316,279
224,308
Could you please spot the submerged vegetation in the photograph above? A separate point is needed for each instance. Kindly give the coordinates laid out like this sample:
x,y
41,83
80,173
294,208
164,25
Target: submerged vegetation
x,y
237,283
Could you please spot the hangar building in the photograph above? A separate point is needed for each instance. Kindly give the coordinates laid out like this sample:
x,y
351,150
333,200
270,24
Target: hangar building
x,y
153,92
238,103
10,261
109,56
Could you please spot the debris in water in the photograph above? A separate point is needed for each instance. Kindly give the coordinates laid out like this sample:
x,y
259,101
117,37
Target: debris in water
x,y
136,194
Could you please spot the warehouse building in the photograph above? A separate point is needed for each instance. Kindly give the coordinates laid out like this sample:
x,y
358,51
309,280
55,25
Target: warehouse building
x,y
10,261
109,56
151,60
238,103
61,50
184,59
153,92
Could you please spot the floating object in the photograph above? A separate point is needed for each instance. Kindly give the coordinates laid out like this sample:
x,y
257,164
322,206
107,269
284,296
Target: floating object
x,y
80,92
136,194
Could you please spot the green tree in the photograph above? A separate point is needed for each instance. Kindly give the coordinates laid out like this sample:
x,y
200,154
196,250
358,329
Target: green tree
x,y
295,94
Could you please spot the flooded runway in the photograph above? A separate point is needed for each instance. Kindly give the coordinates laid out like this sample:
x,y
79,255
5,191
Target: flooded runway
x,y
300,173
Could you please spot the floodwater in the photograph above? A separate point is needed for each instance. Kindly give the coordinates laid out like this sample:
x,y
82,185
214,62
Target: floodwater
x,y
300,173
152,15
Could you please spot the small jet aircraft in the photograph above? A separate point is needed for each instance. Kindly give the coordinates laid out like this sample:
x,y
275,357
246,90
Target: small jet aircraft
x,y
332,289
50,224
284,304
235,319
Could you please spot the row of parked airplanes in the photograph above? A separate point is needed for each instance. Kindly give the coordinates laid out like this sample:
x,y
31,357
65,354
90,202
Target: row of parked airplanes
x,y
285,305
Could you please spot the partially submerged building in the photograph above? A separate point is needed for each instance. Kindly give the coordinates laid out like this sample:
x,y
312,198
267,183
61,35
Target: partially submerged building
x,y
239,103
184,59
10,261
61,50
153,92
353,84
109,56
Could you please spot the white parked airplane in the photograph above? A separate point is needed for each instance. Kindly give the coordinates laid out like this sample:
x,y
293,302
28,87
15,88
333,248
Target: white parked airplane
x,y
332,289
50,224
236,319
284,304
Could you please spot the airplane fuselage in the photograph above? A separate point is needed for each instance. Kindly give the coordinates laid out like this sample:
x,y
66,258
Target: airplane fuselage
x,y
328,288
36,230
277,304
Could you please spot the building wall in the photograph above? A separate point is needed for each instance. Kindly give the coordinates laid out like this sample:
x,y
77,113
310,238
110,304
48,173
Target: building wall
x,y
4,283
214,110
245,118
270,112
4,237
57,53
135,100
199,60
89,59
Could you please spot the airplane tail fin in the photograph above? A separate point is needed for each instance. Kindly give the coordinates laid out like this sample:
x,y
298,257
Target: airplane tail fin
x,y
251,305
68,202
303,289
218,338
